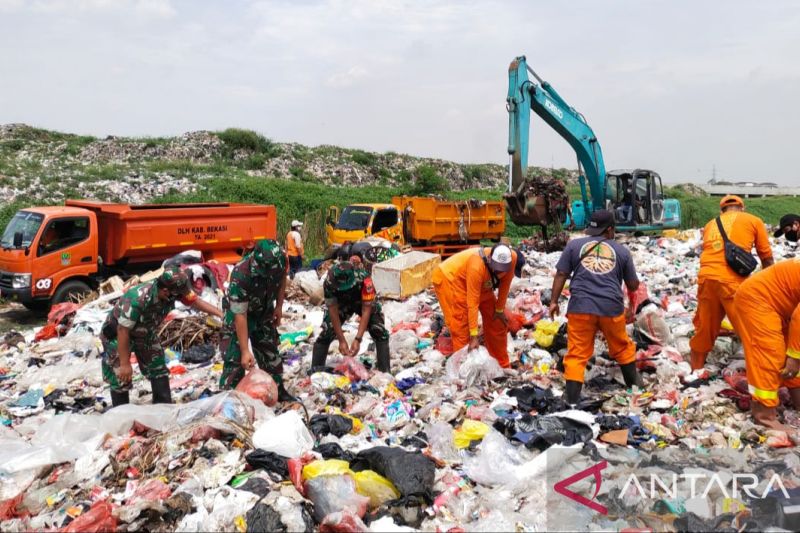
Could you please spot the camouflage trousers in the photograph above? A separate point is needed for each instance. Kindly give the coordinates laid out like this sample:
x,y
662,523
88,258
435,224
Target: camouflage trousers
x,y
149,354
376,326
264,343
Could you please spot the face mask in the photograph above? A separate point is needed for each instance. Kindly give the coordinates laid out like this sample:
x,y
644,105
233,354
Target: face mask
x,y
791,235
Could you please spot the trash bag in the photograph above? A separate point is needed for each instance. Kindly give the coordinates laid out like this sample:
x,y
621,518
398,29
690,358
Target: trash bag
x,y
375,487
475,367
261,517
259,385
330,467
543,431
269,461
440,440
331,450
469,431
286,435
545,333
651,327
353,369
198,354
96,520
337,425
411,472
515,321
189,257
342,522
496,462
531,397
331,494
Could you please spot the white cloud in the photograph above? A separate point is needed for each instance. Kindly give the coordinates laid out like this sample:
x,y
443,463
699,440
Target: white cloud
x,y
341,80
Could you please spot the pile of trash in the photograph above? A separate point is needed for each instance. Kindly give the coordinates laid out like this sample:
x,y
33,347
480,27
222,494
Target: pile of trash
x,y
447,441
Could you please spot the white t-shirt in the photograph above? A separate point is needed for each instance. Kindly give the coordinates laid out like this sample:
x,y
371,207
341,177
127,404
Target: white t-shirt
x,y
298,240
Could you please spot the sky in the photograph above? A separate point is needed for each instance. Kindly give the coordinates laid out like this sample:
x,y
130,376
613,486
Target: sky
x,y
686,88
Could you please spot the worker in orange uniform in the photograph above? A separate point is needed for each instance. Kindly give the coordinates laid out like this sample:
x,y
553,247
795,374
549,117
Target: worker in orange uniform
x,y
294,248
768,322
465,285
717,282
598,266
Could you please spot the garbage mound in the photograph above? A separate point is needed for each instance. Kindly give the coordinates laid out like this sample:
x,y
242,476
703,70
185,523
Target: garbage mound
x,y
448,441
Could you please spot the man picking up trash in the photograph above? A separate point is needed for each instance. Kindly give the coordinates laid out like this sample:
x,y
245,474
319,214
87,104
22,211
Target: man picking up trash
x,y
717,282
131,327
598,266
789,227
349,291
465,285
253,306
768,322
294,248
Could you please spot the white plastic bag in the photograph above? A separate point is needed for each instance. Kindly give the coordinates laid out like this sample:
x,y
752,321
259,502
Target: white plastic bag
x,y
497,462
475,367
285,435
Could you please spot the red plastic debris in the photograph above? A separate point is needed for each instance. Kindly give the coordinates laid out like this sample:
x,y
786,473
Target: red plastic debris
x,y
259,385
342,522
98,519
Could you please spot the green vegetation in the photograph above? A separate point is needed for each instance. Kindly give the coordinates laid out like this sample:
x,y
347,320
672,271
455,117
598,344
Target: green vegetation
x,y
428,181
696,211
234,139
367,159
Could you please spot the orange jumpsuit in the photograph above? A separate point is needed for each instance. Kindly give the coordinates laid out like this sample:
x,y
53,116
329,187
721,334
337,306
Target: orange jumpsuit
x,y
716,282
463,286
768,322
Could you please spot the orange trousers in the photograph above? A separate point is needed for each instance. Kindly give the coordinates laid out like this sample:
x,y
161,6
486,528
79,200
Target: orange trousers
x,y
763,333
581,331
714,301
453,300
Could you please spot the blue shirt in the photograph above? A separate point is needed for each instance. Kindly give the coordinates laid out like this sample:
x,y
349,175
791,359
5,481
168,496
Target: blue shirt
x,y
596,286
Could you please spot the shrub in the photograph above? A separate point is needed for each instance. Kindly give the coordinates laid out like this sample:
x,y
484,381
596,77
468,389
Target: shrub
x,y
364,158
240,139
428,181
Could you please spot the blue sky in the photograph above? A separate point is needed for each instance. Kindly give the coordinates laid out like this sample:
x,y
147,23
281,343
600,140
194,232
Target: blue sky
x,y
676,86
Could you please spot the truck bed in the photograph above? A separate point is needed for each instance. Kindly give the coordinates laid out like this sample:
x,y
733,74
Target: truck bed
x,y
434,221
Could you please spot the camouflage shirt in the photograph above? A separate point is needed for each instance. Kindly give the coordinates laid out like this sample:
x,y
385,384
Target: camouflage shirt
x,y
348,285
140,308
253,288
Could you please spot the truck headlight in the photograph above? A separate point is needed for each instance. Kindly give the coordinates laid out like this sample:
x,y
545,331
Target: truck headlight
x,y
21,281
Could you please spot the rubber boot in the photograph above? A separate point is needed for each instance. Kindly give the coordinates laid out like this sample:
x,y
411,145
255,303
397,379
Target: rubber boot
x,y
120,398
795,395
631,375
319,355
573,392
161,390
283,394
382,351
698,360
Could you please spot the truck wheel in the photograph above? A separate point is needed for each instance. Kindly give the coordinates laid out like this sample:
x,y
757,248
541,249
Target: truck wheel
x,y
37,307
70,290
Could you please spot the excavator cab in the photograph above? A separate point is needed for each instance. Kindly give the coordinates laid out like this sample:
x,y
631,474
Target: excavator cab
x,y
636,197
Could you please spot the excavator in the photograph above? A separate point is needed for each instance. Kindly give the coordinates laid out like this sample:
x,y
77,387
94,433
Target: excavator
x,y
635,196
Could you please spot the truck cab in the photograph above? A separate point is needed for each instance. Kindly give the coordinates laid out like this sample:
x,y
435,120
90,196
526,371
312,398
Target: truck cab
x,y
358,221
48,253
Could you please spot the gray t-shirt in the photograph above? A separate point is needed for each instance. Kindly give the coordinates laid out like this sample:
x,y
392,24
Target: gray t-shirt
x,y
596,287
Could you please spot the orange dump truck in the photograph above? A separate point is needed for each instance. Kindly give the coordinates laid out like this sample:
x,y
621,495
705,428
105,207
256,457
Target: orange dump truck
x,y
439,226
49,254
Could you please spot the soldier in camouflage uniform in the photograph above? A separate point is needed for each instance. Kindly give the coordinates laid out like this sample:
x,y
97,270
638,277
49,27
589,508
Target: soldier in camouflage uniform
x,y
131,327
252,309
349,291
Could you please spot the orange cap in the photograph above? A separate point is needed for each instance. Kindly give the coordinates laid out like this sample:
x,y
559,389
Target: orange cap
x,y
731,199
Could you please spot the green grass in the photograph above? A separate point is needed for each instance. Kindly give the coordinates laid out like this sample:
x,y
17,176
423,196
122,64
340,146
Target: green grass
x,y
234,139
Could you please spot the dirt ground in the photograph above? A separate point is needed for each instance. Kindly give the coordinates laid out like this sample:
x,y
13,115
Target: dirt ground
x,y
15,316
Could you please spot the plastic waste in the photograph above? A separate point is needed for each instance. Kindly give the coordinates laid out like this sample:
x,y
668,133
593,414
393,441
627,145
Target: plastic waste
x,y
285,435
470,430
269,461
474,367
545,332
342,522
259,385
337,425
353,369
331,494
329,467
412,473
496,462
98,519
375,487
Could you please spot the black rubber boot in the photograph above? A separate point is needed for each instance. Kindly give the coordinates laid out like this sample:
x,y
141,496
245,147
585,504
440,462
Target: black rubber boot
x,y
161,390
120,398
382,351
631,375
319,355
573,392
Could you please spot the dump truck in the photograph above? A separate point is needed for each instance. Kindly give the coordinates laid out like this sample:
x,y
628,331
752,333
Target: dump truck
x,y
51,254
423,223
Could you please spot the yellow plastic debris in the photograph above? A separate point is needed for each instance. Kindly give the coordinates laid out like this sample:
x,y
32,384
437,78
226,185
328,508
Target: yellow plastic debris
x,y
330,467
342,382
545,332
726,324
240,523
358,425
375,487
469,431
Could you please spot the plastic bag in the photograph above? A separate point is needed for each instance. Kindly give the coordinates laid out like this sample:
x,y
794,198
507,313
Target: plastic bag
x,y
342,522
353,369
285,435
337,425
330,467
411,472
152,490
440,440
96,520
403,342
331,494
497,461
475,367
545,332
444,344
469,431
375,487
515,320
269,461
650,325
259,385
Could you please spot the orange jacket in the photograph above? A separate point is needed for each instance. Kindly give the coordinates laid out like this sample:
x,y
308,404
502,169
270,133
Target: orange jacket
x,y
744,230
469,278
292,249
778,287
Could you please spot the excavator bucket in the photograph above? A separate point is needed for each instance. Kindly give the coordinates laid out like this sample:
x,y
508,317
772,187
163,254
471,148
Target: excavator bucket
x,y
538,201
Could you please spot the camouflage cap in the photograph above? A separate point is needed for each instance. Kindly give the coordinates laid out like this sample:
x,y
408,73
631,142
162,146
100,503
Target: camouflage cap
x,y
175,281
269,255
343,275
